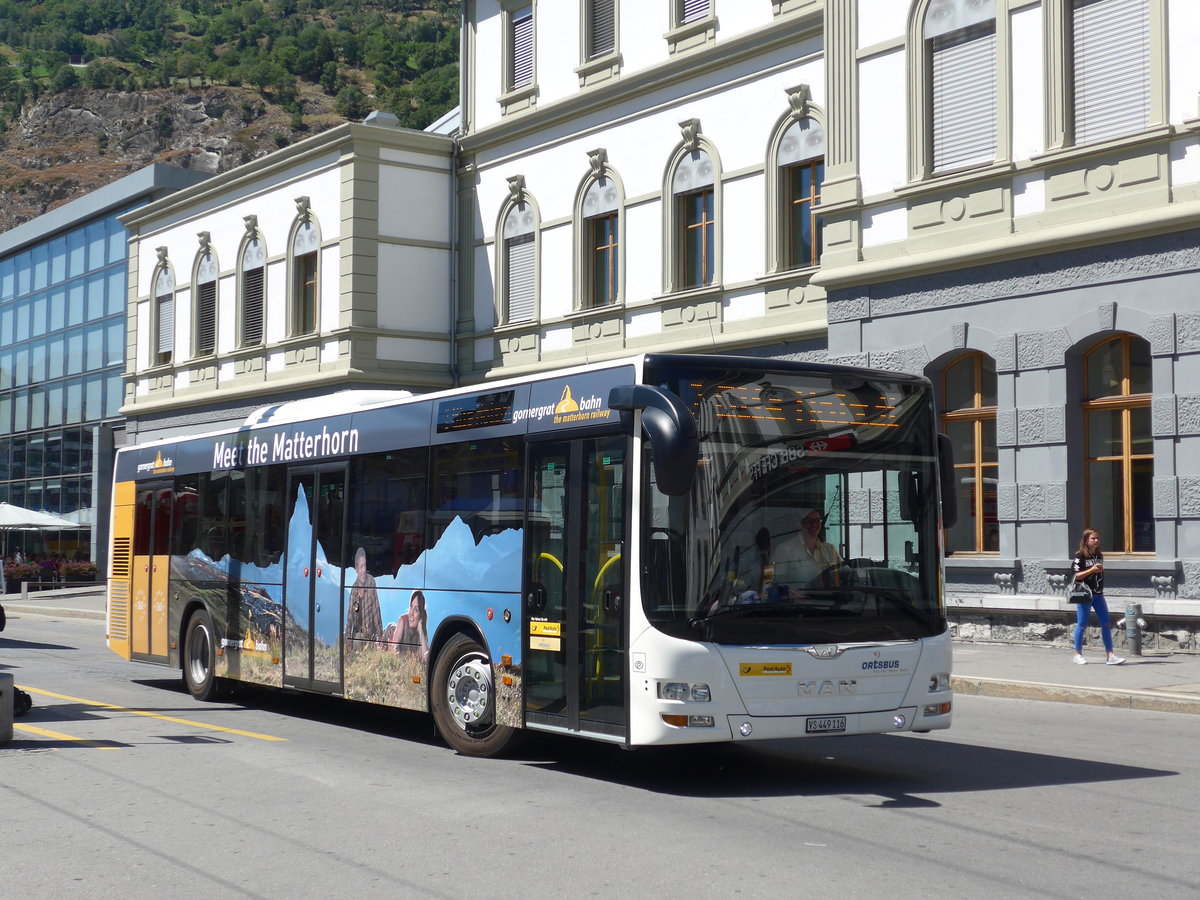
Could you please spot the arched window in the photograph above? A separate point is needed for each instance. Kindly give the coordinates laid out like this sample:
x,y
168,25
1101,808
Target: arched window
x,y
518,263
801,168
600,256
1119,444
305,252
253,289
692,218
204,330
163,312
961,59
969,419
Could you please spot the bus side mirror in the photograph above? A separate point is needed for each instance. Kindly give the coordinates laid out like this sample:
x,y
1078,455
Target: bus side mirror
x,y
672,431
946,476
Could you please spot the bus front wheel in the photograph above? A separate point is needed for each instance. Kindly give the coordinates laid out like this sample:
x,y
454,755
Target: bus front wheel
x,y
464,700
200,658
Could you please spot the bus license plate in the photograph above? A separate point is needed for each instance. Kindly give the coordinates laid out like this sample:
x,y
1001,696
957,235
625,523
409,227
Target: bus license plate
x,y
825,725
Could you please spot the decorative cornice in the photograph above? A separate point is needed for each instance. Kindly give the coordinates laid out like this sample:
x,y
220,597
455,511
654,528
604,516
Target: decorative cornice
x,y
598,159
162,255
516,188
690,129
304,209
251,226
799,98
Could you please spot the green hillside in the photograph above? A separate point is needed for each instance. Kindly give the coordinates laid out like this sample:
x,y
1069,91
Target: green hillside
x,y
397,55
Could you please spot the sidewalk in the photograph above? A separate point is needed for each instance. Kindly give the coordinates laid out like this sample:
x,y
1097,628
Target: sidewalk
x,y
1169,683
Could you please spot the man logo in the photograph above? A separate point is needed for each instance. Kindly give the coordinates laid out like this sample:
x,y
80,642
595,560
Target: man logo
x,y
828,688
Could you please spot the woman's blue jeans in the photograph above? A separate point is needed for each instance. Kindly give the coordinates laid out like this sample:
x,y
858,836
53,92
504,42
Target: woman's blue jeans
x,y
1083,612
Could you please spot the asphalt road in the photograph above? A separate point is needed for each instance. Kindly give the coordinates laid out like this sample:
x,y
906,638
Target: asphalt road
x,y
120,785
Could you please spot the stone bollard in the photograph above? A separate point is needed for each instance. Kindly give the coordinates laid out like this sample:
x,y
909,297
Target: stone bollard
x,y
1133,631
8,691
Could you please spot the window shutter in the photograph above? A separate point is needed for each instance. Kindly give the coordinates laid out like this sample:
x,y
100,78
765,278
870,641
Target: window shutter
x,y
520,276
1112,68
522,47
165,333
693,10
206,318
252,307
964,98
601,28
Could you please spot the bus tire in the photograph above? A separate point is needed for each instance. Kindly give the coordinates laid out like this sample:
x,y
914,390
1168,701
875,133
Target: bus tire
x,y
464,700
200,658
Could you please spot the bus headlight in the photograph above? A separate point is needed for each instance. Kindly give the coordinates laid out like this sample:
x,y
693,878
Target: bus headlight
x,y
939,682
681,690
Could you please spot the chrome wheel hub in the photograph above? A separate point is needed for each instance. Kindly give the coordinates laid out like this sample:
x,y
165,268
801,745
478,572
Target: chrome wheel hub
x,y
470,693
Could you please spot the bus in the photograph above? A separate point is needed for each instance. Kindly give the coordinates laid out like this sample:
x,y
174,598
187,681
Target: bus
x,y
613,551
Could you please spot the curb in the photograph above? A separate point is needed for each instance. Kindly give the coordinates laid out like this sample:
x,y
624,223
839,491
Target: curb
x,y
1161,701
60,612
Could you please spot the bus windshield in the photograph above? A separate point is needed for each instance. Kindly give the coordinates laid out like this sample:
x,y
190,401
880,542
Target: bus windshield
x,y
813,517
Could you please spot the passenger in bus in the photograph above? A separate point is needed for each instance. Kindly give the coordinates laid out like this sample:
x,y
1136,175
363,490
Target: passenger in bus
x,y
803,559
411,633
364,621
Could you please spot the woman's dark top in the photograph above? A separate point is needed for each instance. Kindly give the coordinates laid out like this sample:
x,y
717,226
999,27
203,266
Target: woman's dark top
x,y
1096,580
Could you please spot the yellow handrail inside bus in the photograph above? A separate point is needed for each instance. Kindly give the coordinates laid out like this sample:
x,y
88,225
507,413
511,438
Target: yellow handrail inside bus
x,y
603,569
552,559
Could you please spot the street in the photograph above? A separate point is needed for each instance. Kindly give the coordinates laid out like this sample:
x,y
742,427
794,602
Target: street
x,y
118,784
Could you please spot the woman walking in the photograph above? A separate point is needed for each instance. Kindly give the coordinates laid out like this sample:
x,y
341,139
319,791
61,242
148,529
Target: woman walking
x,y
1088,567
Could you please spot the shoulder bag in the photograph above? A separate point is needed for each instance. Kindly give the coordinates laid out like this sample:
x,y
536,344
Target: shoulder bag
x,y
1079,592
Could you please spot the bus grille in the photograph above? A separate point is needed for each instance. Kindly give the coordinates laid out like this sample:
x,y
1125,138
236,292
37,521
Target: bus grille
x,y
118,610
122,558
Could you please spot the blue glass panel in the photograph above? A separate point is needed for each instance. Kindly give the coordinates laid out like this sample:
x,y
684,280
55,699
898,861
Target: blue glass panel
x,y
95,347
7,324
21,366
58,259
71,451
76,255
40,317
5,463
53,460
93,407
75,304
56,356
20,413
34,456
8,279
37,407
114,351
22,308
40,255
6,414
86,436
37,361
95,296
58,308
117,248
116,291
114,396
74,405
24,273
97,245
74,353
54,404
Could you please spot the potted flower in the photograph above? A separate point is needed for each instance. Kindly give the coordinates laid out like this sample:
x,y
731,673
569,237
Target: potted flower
x,y
16,573
77,570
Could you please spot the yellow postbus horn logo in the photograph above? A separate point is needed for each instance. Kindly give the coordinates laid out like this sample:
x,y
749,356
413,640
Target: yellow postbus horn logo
x,y
566,403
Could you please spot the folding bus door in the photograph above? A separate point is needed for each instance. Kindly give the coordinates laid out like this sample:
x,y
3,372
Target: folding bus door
x,y
575,586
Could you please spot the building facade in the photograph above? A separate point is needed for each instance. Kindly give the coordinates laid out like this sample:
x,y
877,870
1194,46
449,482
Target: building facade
x,y
1002,195
62,357
322,267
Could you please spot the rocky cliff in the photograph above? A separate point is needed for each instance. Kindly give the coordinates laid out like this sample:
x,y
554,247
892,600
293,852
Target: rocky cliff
x,y
69,144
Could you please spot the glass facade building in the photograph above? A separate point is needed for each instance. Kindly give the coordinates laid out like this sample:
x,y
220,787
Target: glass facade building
x,y
63,333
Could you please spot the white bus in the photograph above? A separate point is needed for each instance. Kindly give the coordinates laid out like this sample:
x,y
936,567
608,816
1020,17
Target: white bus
x,y
665,549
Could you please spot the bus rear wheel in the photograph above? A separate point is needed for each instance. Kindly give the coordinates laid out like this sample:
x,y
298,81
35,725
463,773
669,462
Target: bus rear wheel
x,y
200,658
464,700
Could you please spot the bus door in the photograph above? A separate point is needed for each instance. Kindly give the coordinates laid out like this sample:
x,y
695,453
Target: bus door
x,y
312,586
575,586
151,570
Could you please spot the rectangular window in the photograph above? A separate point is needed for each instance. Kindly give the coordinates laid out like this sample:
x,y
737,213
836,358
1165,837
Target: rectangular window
x,y
804,225
696,238
963,80
206,318
601,28
164,330
602,259
520,67
305,313
252,307
1111,59
520,285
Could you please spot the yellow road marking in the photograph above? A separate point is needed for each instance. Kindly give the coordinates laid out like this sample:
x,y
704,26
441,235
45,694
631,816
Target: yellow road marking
x,y
58,735
142,712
